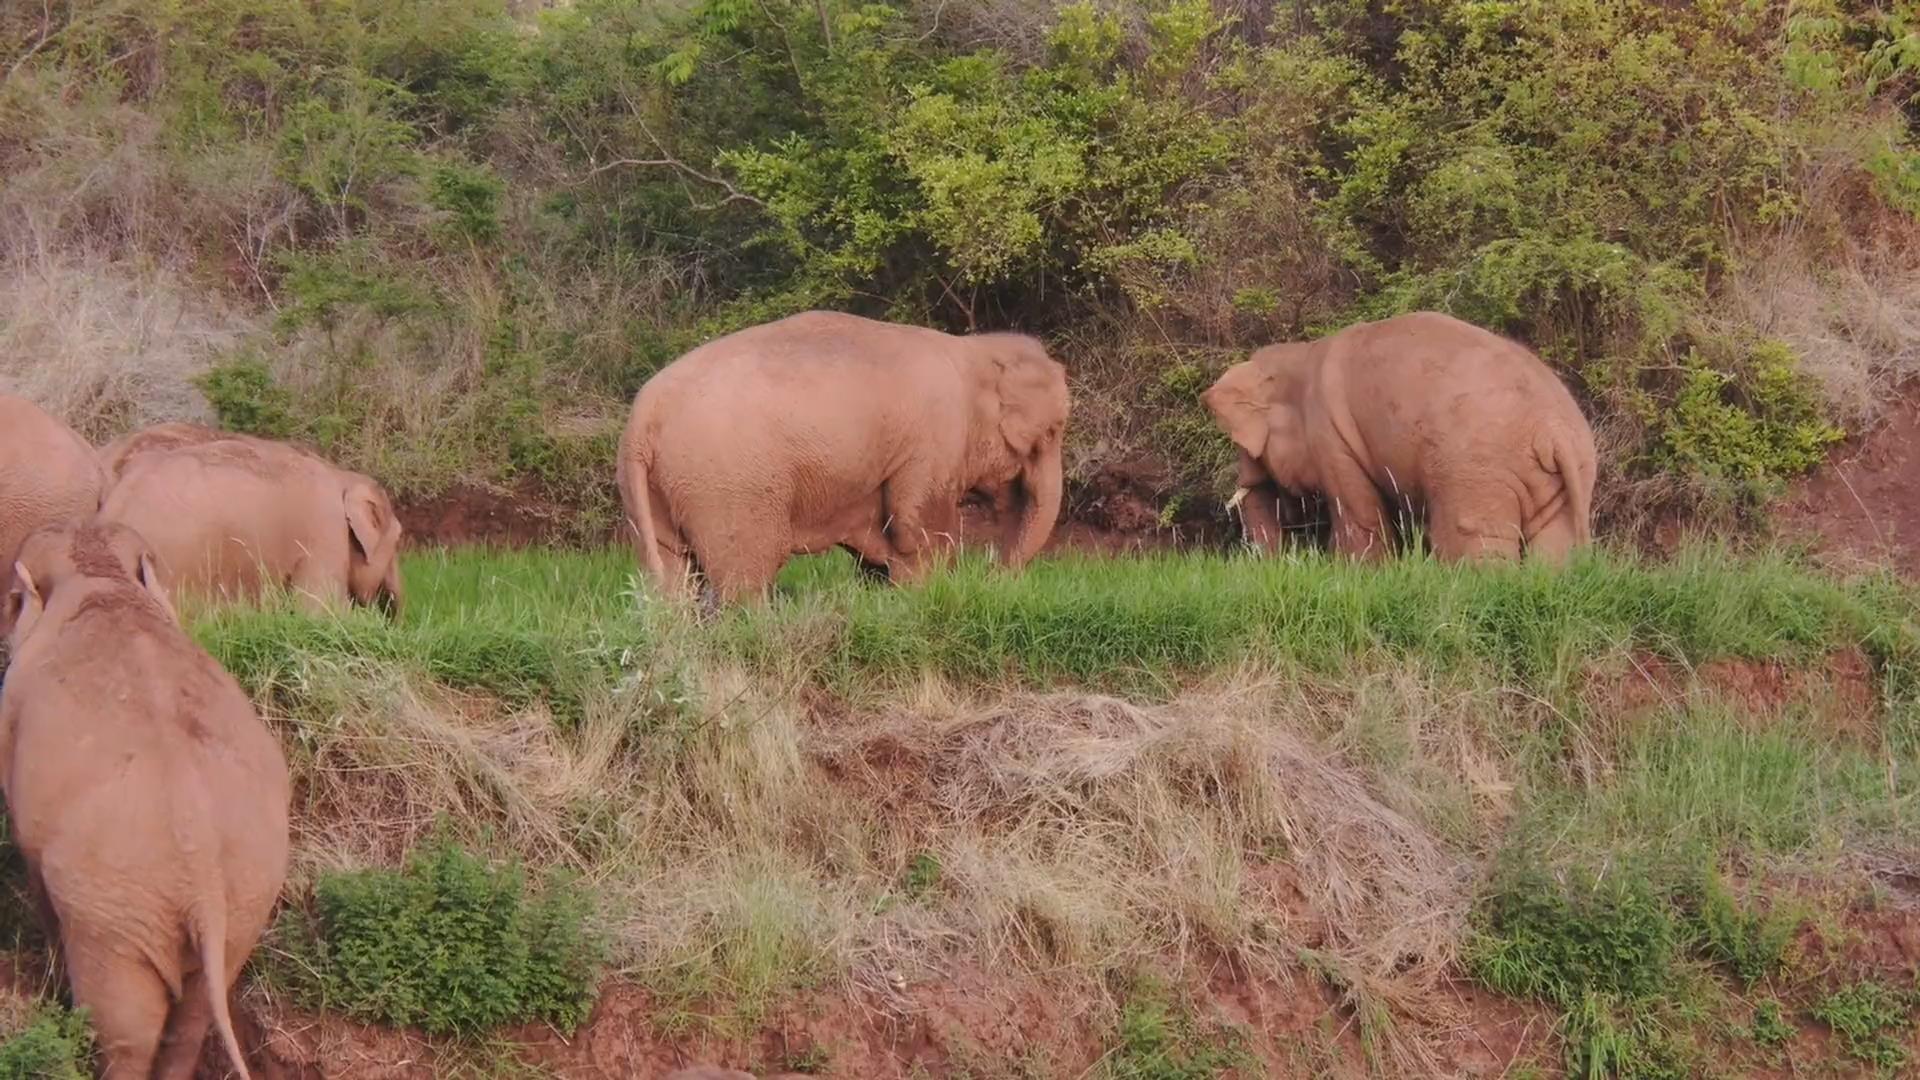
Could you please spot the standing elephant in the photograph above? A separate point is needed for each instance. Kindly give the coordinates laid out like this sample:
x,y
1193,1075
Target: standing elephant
x,y
825,430
1456,426
234,515
47,473
146,797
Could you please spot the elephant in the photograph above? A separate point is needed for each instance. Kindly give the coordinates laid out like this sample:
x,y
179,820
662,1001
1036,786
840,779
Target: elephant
x,y
825,430
148,800
1422,414
122,452
231,516
48,473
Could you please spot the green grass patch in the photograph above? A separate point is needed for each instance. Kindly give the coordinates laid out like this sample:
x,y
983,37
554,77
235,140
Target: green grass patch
x,y
1157,1038
1144,625
54,1044
1871,1019
450,944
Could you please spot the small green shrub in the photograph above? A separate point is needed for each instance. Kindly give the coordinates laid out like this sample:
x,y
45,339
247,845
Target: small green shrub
x,y
470,197
1771,1028
55,1045
245,398
1158,1040
1565,938
449,943
1868,1017
1752,945
923,875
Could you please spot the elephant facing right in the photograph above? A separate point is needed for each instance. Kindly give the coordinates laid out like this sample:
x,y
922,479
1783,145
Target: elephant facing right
x,y
825,430
1421,414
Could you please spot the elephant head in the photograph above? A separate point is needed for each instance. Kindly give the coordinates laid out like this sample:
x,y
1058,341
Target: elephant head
x,y
373,574
1022,425
61,557
1258,404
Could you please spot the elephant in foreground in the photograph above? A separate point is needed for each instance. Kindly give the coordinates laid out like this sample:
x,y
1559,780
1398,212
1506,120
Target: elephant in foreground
x,y
147,799
48,473
825,430
233,515
1421,413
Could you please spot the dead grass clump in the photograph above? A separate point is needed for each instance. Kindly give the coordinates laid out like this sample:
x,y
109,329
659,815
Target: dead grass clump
x,y
105,345
1155,813
381,758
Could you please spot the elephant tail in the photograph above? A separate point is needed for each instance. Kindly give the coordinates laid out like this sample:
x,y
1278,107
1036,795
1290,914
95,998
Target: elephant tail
x,y
630,473
1565,456
210,926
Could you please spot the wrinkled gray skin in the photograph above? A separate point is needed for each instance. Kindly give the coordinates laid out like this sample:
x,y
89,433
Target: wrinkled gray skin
x,y
48,474
147,799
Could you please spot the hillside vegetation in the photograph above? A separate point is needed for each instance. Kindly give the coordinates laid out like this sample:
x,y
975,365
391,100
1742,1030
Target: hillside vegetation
x,y
1174,817
447,239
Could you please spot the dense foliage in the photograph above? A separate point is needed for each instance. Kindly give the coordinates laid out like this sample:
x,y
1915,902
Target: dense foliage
x,y
472,231
449,943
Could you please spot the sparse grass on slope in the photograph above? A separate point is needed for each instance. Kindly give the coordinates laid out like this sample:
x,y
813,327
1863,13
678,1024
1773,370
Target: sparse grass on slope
x,y
1309,767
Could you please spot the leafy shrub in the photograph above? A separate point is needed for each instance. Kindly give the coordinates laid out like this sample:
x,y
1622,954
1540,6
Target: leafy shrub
x,y
1752,945
1867,1016
1157,1040
245,398
55,1045
1564,939
449,943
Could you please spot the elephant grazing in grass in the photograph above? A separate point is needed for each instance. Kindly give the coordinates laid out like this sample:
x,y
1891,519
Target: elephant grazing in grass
x,y
1459,427
825,430
147,798
231,515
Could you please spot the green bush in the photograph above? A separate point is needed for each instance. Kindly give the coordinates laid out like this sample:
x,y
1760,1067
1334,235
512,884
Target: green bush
x,y
245,398
55,1045
450,944
1752,945
1562,939
1156,1039
1869,1017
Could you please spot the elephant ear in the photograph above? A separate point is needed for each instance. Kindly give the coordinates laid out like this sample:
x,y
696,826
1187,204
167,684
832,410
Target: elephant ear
x,y
149,578
1027,381
1240,401
24,605
369,519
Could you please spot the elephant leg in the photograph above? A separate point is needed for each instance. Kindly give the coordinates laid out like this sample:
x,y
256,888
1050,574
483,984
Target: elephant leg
x,y
127,1002
1360,524
922,525
1470,527
1555,542
319,591
1260,517
186,1030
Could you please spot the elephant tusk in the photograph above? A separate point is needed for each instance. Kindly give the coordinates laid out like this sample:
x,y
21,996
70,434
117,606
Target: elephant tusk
x,y
1238,494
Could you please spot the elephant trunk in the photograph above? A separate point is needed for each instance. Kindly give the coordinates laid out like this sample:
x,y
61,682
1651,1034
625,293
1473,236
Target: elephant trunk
x,y
1041,483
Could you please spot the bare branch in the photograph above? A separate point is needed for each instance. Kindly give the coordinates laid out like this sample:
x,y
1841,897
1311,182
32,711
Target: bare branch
x,y
734,194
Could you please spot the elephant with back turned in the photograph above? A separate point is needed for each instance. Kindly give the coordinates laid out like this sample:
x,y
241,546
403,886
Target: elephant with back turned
x,y
146,797
826,430
1440,420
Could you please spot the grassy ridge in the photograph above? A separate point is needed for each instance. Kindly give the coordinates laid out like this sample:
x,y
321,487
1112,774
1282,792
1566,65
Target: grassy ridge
x,y
1430,751
522,623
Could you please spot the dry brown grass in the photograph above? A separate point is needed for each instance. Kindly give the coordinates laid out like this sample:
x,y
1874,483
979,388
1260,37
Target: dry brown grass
x,y
757,847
